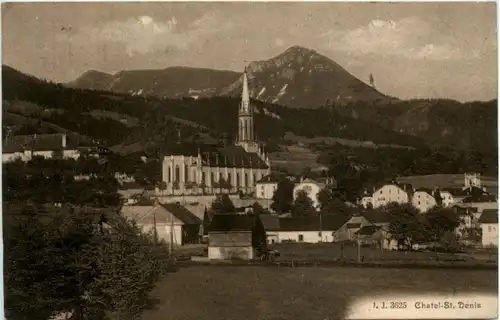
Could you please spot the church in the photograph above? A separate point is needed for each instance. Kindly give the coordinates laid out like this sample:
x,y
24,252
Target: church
x,y
212,169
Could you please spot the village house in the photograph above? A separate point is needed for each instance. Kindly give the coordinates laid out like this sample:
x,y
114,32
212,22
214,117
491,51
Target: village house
x,y
451,196
346,232
313,187
387,193
172,221
423,199
265,187
489,226
480,202
382,221
309,229
271,224
49,146
234,236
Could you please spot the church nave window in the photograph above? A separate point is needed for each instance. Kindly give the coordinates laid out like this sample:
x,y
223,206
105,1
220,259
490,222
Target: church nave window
x,y
177,173
186,173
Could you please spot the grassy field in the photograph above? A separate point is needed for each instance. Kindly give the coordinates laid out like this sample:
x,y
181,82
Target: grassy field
x,y
444,181
221,292
330,251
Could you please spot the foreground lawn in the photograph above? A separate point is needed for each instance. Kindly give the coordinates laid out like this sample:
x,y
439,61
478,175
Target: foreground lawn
x,y
220,292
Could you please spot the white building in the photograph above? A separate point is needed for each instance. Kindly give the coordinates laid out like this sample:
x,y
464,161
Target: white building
x,y
489,227
25,147
423,199
172,220
265,187
308,229
388,193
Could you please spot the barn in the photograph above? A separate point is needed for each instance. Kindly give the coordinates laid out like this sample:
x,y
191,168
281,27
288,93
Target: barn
x,y
234,236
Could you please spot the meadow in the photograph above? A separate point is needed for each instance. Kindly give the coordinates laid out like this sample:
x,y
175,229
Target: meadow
x,y
250,292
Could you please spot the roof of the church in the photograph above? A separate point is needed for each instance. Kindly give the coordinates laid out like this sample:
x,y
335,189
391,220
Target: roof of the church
x,y
219,156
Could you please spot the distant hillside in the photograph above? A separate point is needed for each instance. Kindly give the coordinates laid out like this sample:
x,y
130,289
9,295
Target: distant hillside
x,y
470,125
300,77
159,121
168,83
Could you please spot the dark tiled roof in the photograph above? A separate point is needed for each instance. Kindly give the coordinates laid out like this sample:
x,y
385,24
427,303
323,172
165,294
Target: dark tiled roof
x,y
429,191
231,222
328,222
271,178
271,222
367,230
181,213
377,216
481,198
456,192
216,156
489,216
41,142
353,225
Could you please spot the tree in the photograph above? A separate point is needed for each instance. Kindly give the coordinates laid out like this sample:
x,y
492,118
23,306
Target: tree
x,y
332,202
303,205
62,261
283,196
222,204
258,209
439,221
405,224
450,242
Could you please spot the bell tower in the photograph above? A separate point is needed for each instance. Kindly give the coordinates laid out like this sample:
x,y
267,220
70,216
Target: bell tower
x,y
246,134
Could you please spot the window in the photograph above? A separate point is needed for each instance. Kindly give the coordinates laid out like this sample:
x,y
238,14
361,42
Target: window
x,y
212,177
204,178
229,178
237,180
419,203
169,174
262,194
186,173
177,173
254,178
301,237
245,180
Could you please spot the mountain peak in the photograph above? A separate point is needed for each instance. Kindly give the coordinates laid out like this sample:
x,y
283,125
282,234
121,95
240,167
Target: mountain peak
x,y
299,49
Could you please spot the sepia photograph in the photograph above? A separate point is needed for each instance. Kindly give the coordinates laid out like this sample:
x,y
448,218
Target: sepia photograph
x,y
249,160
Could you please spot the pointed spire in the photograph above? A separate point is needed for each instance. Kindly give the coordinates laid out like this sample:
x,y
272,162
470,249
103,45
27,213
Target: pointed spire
x,y
245,98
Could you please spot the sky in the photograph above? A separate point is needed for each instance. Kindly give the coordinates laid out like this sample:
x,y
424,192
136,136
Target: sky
x,y
413,50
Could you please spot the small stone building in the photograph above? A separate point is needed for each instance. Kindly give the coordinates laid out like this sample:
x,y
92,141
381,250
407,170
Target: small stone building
x,y
233,236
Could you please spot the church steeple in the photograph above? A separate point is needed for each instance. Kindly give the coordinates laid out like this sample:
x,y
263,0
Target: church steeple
x,y
245,97
245,114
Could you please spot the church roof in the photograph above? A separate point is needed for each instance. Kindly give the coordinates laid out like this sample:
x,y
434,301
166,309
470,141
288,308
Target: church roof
x,y
219,156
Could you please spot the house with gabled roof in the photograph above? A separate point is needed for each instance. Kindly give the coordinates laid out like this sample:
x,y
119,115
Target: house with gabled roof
x,y
489,227
234,236
423,199
172,220
26,147
386,193
312,229
265,187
